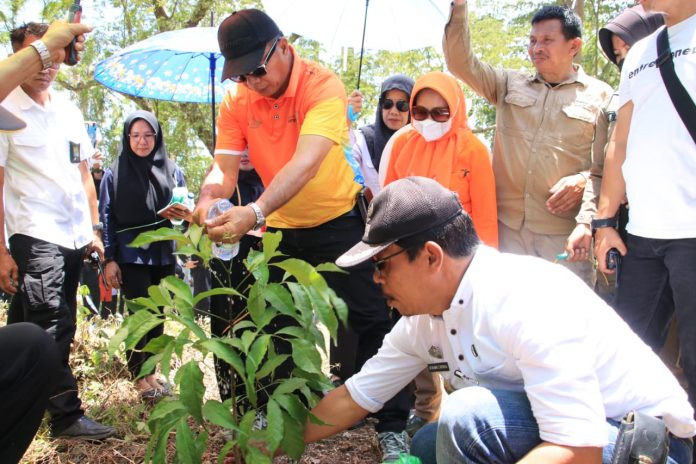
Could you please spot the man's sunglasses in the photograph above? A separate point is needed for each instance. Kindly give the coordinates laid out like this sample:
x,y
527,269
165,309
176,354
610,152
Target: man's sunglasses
x,y
439,114
401,105
261,70
380,264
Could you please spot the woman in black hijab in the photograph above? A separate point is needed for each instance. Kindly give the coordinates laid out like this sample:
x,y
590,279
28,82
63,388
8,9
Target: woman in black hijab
x,y
138,185
392,114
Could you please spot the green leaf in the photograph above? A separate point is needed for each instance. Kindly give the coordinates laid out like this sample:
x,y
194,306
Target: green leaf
x,y
194,233
159,296
248,338
340,307
158,344
323,311
293,439
293,331
256,305
191,388
179,288
305,355
166,360
138,325
140,303
280,298
329,267
148,367
160,235
270,366
219,414
163,418
216,291
186,451
270,242
226,353
293,406
258,349
191,325
116,340
289,386
304,273
274,432
186,250
300,299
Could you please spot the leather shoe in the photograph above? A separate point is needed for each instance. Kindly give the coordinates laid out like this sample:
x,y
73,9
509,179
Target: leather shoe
x,y
85,428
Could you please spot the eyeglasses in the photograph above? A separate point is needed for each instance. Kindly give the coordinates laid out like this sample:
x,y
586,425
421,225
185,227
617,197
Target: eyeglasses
x,y
146,136
380,264
401,105
421,113
261,70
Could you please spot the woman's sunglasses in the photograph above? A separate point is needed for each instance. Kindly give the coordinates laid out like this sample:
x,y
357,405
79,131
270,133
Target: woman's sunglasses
x,y
261,70
401,105
420,113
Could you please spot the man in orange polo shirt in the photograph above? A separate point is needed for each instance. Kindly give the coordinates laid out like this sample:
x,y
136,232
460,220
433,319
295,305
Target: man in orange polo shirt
x,y
290,113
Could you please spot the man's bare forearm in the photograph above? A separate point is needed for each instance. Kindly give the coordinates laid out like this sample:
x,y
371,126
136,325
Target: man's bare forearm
x,y
338,410
613,184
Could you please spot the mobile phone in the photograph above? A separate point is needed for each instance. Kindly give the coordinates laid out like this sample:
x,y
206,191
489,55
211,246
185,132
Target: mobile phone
x,y
613,259
74,16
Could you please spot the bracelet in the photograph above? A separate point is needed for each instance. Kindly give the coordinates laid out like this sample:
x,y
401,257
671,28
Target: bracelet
x,y
44,54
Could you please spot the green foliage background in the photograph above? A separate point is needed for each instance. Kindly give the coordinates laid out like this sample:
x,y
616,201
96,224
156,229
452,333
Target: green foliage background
x,y
500,32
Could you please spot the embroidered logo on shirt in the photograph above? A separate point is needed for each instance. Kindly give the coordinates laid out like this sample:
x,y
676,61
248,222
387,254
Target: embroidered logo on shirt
x,y
435,352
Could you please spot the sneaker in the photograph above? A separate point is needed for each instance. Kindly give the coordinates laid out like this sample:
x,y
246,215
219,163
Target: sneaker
x,y
414,424
85,428
393,445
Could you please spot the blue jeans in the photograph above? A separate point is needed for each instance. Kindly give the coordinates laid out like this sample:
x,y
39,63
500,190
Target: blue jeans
x,y
478,425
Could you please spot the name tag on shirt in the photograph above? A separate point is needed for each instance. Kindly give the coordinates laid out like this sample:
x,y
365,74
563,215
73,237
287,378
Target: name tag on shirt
x,y
438,367
74,152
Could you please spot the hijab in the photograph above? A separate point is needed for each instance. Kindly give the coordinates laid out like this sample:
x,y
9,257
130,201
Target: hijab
x,y
377,134
142,185
458,160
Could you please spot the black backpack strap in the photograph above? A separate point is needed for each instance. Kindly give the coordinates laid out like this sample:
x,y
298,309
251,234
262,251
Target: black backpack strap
x,y
677,93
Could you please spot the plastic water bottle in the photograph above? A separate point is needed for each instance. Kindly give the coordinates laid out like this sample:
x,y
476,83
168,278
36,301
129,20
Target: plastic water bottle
x,y
179,195
223,251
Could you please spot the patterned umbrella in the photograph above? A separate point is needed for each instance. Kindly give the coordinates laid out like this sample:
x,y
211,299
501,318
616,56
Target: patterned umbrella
x,y
180,66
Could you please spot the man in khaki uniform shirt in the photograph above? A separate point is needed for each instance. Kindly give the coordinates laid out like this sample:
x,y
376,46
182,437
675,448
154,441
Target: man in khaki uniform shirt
x,y
546,125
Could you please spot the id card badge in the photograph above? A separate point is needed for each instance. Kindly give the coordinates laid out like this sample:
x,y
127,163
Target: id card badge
x,y
74,152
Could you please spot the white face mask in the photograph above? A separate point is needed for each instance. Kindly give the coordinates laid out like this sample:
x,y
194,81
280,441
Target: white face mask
x,y
432,130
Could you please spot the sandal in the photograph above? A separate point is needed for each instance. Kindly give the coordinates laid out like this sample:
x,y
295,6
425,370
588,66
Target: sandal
x,y
153,394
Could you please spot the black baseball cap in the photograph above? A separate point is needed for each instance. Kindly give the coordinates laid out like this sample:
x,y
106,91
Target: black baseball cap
x,y
404,208
10,122
242,37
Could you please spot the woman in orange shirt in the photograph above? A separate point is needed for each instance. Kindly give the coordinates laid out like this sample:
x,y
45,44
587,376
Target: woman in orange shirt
x,y
439,144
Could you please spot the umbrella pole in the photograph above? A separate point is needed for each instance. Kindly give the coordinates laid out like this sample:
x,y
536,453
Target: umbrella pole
x,y
212,93
362,44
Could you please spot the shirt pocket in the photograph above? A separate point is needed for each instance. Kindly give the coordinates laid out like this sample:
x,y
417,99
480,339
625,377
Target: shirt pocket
x,y
578,126
29,141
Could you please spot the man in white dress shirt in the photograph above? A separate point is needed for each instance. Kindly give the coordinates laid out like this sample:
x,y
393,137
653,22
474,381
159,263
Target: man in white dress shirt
x,y
543,369
49,206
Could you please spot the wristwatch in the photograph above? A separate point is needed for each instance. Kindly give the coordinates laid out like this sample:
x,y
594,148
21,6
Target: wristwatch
x,y
44,54
597,223
98,227
260,218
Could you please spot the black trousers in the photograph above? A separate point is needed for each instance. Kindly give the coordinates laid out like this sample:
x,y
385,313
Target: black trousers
x,y
368,316
48,279
137,278
29,363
